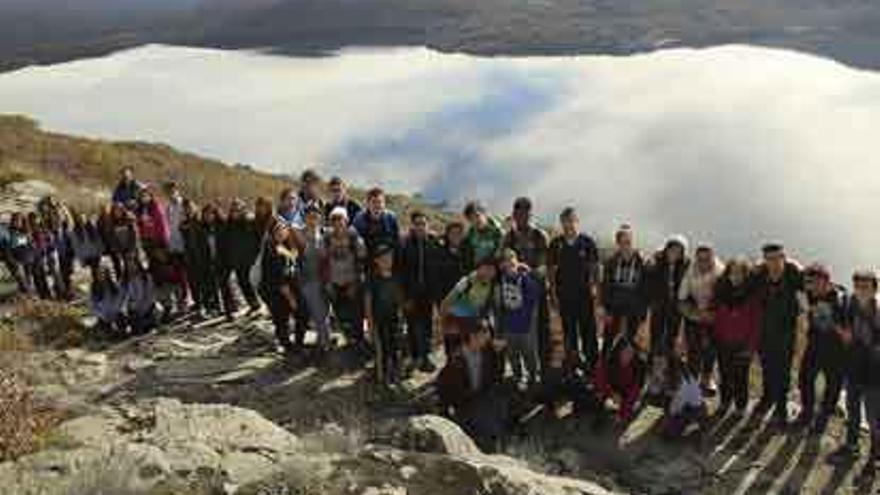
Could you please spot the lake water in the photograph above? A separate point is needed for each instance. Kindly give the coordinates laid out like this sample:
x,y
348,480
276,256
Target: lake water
x,y
732,144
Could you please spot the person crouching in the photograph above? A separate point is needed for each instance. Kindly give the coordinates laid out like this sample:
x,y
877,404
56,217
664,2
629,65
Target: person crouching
x,y
107,301
471,391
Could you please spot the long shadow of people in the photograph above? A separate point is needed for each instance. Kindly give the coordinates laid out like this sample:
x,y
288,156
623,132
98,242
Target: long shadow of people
x,y
839,474
808,460
777,465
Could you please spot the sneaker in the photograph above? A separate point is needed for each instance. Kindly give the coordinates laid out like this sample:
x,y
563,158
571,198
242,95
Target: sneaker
x,y
427,366
708,386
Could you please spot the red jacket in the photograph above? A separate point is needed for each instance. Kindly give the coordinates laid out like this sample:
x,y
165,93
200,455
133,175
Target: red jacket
x,y
152,222
739,324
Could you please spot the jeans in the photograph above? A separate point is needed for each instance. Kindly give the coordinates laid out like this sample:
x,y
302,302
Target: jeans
x,y
701,347
318,312
823,355
347,302
776,371
522,349
579,324
419,323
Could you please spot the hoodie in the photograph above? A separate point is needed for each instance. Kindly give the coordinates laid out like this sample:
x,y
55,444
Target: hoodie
x,y
152,223
698,288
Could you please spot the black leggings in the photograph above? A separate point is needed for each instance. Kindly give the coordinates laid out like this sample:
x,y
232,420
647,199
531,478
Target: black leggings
x,y
734,361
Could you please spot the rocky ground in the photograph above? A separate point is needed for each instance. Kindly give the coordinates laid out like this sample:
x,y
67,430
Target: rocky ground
x,y
214,407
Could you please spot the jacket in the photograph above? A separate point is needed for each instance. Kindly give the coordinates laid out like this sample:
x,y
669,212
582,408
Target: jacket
x,y
153,227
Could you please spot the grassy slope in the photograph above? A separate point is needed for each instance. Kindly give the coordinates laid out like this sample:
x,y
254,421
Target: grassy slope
x,y
85,170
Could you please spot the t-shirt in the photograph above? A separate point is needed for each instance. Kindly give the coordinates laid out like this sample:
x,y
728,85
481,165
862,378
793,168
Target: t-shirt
x,y
518,295
344,255
530,245
575,260
482,243
470,297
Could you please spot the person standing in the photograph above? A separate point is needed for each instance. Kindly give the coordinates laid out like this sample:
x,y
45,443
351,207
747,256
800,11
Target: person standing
x,y
313,277
624,289
155,236
517,316
127,190
377,225
416,256
198,261
450,264
695,298
530,245
278,284
860,334
176,247
779,283
737,332
345,256
484,235
20,252
240,239
384,304
339,198
825,350
573,263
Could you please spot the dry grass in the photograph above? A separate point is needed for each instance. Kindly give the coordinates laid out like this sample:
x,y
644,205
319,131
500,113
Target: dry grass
x,y
50,323
24,425
84,170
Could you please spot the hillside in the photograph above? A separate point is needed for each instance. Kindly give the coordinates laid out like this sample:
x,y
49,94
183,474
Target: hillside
x,y
84,170
846,30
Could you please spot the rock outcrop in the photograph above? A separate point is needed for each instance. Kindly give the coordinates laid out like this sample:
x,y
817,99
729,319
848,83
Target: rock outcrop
x,y
149,447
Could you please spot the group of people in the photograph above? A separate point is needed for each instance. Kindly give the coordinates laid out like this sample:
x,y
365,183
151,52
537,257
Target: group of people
x,y
637,328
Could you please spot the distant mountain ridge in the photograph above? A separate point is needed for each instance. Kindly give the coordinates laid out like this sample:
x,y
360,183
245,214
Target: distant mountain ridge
x,y
847,30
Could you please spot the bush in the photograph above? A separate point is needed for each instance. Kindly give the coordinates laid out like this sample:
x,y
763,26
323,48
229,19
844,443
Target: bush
x,y
23,425
52,323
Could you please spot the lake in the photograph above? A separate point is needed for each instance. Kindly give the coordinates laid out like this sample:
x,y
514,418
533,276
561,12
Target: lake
x,y
733,144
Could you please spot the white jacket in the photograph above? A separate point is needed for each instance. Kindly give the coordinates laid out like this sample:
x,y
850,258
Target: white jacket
x,y
700,286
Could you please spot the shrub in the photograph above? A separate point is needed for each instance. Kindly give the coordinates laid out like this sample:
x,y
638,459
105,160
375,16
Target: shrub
x,y
52,323
23,425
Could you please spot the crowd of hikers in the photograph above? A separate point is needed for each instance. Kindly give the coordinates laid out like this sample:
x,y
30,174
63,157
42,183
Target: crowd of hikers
x,y
637,328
